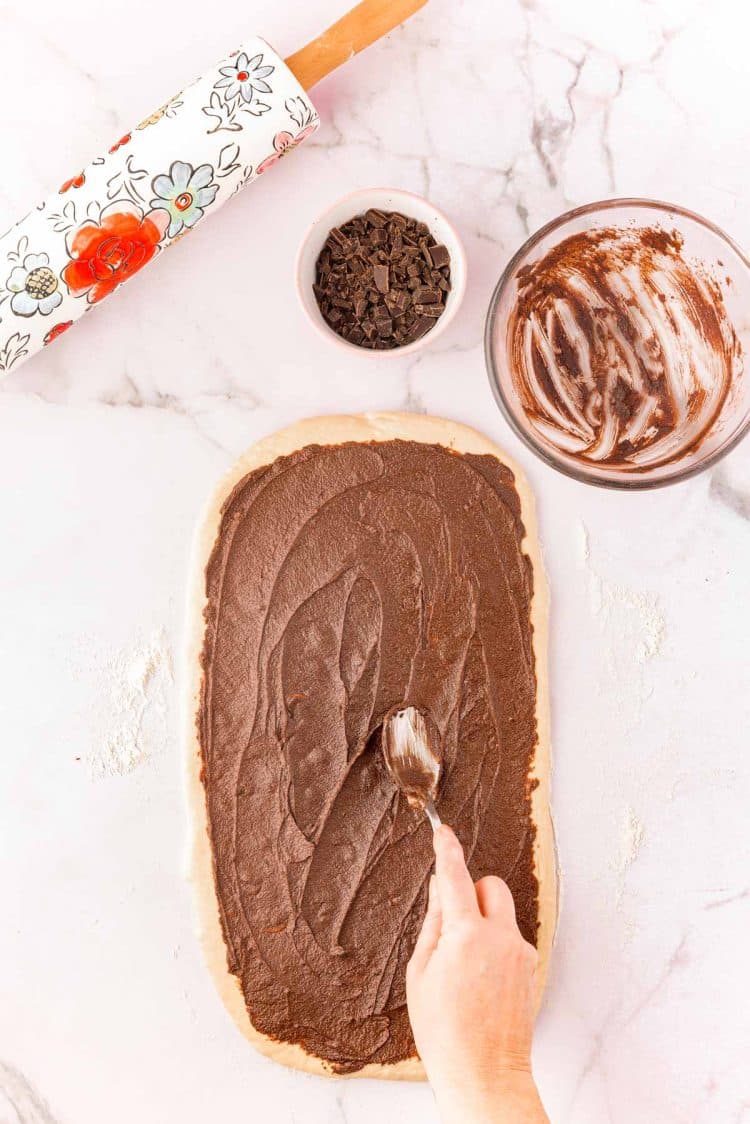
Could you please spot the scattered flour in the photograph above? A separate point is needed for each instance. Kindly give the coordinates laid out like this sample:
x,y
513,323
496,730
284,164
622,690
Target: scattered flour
x,y
135,693
634,631
631,837
634,616
630,840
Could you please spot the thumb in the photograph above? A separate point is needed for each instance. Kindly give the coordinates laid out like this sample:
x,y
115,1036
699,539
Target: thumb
x,y
430,932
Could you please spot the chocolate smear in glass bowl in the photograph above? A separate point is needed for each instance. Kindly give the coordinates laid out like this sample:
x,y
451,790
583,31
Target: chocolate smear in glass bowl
x,y
621,350
381,280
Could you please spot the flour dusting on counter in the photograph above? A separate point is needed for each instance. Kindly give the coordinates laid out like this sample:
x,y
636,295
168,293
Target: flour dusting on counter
x,y
135,694
630,840
634,631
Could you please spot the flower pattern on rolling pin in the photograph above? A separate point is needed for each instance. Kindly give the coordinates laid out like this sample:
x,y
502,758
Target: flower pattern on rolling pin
x,y
169,109
14,350
236,92
34,286
74,181
58,330
145,192
119,143
283,143
106,253
244,77
184,194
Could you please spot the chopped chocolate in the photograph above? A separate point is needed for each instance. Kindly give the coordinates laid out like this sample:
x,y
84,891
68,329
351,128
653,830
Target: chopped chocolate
x,y
440,256
381,280
426,296
418,328
398,301
380,273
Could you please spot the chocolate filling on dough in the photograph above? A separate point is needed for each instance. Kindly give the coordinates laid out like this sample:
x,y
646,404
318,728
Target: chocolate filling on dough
x,y
345,581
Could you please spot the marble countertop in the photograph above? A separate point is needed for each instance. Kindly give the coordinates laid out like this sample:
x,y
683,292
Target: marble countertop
x,y
505,112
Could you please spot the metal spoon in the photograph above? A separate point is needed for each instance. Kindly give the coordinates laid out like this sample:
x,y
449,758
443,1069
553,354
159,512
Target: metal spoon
x,y
410,760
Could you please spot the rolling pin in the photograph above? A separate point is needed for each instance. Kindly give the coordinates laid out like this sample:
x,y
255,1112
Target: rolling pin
x,y
157,182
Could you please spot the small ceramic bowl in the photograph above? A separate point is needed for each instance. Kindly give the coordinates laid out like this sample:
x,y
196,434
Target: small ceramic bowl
x,y
384,199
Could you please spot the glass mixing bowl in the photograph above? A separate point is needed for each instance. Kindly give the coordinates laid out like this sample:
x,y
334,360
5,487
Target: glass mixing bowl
x,y
706,246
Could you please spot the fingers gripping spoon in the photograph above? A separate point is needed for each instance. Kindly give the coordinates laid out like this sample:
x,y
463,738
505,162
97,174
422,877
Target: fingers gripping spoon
x,y
156,182
411,761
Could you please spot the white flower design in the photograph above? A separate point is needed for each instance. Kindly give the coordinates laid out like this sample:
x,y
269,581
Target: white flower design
x,y
34,286
184,194
246,77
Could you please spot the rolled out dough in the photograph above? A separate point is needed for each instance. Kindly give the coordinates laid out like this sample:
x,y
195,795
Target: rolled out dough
x,y
336,430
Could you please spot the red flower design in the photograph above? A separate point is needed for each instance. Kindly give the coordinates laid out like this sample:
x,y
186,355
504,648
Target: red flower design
x,y
58,330
106,253
121,142
283,143
74,181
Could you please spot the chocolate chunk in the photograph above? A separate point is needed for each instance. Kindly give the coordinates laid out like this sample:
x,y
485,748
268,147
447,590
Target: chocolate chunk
x,y
424,247
398,301
440,256
381,280
380,273
418,328
426,296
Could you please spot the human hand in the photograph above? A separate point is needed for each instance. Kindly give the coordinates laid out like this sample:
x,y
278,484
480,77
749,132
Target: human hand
x,y
470,991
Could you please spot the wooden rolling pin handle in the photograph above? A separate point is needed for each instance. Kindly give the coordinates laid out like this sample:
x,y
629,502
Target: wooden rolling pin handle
x,y
363,25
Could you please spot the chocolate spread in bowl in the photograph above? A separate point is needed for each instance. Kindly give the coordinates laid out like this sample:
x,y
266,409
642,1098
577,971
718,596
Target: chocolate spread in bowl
x,y
345,582
621,351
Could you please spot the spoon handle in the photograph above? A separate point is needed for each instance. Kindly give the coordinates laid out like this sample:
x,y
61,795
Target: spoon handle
x,y
432,816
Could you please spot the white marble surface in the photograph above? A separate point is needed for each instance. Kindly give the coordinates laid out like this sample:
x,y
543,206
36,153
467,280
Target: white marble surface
x,y
505,112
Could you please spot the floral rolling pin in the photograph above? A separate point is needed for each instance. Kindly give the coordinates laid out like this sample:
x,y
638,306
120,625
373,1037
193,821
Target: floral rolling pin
x,y
153,185
158,181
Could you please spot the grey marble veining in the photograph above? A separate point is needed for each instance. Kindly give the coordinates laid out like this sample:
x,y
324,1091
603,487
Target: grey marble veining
x,y
506,112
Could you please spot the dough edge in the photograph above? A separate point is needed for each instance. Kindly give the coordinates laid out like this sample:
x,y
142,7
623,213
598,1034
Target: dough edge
x,y
335,430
